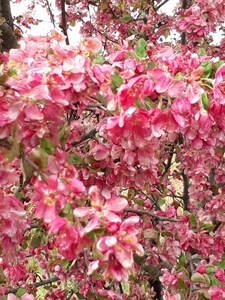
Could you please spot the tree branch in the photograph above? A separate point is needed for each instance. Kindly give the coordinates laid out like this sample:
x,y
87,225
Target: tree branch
x,y
161,4
147,212
84,137
7,34
169,160
36,284
64,23
183,34
185,196
50,13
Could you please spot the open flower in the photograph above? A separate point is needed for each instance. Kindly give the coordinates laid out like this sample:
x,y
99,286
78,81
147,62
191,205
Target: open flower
x,y
102,209
118,250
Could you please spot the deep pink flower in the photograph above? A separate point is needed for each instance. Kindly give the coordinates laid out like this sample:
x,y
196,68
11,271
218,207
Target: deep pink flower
x,y
100,208
49,199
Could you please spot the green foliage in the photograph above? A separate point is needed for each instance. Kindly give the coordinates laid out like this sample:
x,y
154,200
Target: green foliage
x,y
35,240
47,146
205,101
214,281
140,49
207,66
116,82
192,220
20,292
75,159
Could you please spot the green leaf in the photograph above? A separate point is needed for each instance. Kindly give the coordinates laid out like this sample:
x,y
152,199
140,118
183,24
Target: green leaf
x,y
166,233
182,261
202,297
140,51
202,52
148,103
205,101
208,227
75,159
67,209
210,270
151,65
139,104
27,171
91,235
142,43
15,148
64,263
47,146
2,275
117,80
102,100
221,265
218,64
179,76
39,157
207,65
181,284
20,292
12,71
35,241
99,60
126,18
161,202
192,220
214,281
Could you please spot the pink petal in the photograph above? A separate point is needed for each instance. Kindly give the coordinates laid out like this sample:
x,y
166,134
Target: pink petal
x,y
81,212
116,204
124,256
33,112
93,266
77,186
92,225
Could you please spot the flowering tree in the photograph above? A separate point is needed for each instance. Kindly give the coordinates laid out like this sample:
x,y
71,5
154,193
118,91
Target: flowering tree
x,y
112,153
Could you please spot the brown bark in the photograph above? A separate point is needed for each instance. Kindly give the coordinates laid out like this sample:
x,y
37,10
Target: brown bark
x,y
7,34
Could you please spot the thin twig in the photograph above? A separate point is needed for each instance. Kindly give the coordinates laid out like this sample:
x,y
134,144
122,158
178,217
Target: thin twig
x,y
161,4
51,13
84,137
192,271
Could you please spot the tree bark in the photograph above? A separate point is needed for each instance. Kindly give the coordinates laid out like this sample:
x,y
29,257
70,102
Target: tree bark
x,y
7,35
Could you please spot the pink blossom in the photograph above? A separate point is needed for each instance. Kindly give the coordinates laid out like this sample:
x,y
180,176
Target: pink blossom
x,y
93,45
100,208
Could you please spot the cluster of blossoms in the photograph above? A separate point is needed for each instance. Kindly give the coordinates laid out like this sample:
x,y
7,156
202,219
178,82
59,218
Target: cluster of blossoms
x,y
201,19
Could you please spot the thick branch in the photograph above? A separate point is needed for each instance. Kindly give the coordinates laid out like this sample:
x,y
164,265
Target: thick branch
x,y
5,11
64,23
36,284
183,34
185,197
161,4
6,27
169,160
